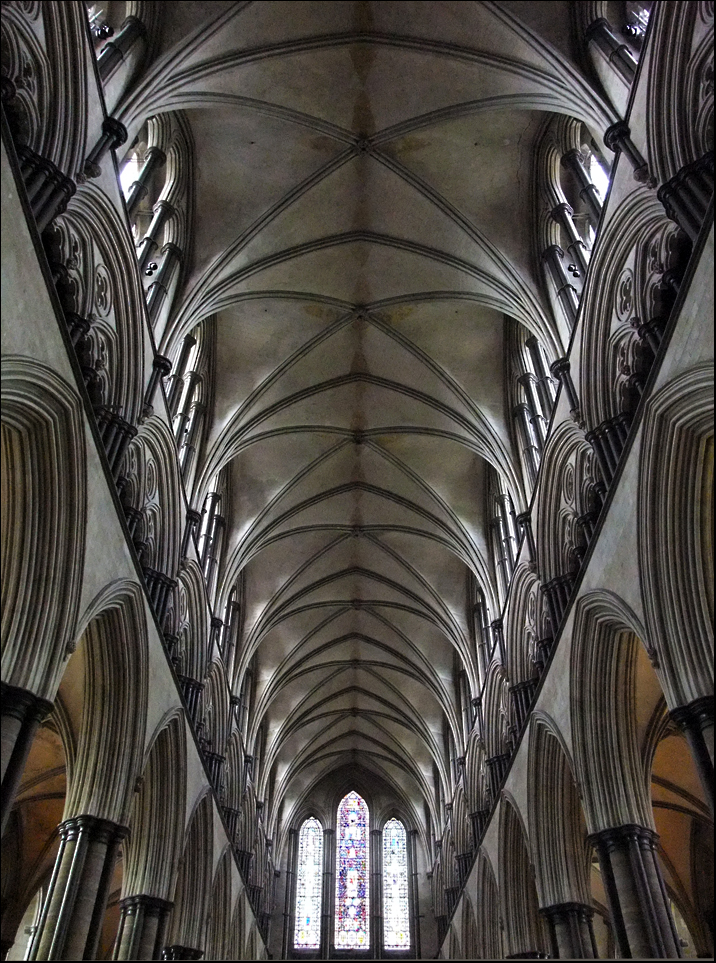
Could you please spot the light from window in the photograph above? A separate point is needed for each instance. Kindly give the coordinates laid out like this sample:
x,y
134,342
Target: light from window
x,y
309,882
598,176
352,901
396,920
129,174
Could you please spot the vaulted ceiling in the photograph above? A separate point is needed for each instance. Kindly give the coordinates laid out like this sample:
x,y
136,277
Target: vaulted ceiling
x,y
364,211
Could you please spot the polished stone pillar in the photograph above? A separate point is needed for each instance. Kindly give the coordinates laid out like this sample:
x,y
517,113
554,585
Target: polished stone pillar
x,y
521,414
539,425
686,196
638,902
48,189
176,952
114,134
618,54
177,379
571,932
159,289
289,916
72,915
414,891
114,52
190,444
192,520
181,420
566,292
142,928
618,138
329,895
153,160
163,210
376,893
561,370
161,367
545,384
576,248
524,520
696,721
588,192
22,713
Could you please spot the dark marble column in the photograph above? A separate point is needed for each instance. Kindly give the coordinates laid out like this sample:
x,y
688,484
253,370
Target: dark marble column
x,y
566,292
328,897
376,893
289,916
181,419
153,160
159,289
570,930
114,52
71,920
561,370
48,189
161,367
163,210
638,902
192,520
696,721
588,192
686,196
545,384
142,925
177,379
618,138
22,713
618,54
414,891
521,414
539,425
114,134
576,248
176,952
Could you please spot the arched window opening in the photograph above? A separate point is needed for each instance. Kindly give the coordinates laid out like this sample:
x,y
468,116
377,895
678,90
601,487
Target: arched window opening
x,y
309,885
396,911
352,868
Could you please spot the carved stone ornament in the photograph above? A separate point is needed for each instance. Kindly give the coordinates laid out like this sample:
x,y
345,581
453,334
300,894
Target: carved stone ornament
x,y
102,291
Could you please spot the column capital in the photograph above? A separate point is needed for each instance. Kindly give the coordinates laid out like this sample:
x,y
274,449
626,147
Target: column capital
x,y
153,905
162,364
98,829
616,836
164,208
560,210
697,714
24,705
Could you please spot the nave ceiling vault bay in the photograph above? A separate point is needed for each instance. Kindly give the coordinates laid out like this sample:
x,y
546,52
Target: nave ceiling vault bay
x,y
364,219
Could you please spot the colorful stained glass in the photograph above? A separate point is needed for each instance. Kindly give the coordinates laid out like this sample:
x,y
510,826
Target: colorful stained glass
x,y
352,868
309,883
396,917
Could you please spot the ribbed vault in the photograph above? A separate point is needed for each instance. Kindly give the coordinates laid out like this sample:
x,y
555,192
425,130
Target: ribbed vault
x,y
363,227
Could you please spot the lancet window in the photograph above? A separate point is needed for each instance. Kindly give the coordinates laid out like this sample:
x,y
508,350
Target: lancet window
x,y
396,911
309,885
352,868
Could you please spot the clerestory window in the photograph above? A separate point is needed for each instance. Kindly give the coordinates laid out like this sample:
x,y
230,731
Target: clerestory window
x,y
309,886
352,868
396,911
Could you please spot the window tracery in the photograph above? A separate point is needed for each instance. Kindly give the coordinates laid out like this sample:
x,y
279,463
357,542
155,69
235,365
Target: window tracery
x,y
396,917
352,897
309,885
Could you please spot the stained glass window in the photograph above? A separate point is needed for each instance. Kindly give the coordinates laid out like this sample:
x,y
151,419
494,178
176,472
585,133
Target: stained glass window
x,y
396,919
309,879
352,874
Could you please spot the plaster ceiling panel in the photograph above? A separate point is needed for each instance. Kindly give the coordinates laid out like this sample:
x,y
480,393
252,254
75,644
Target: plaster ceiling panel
x,y
364,271
482,165
255,339
462,337
186,18
360,347
550,21
237,179
364,194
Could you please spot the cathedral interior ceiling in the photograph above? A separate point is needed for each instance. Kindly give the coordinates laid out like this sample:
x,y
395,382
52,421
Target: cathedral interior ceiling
x,y
362,226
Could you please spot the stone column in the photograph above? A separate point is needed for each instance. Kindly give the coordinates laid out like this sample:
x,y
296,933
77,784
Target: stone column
x,y
161,367
114,134
528,382
328,897
521,414
545,385
189,447
177,379
576,248
159,289
181,419
114,52
177,952
696,721
414,891
192,520
48,189
22,713
561,370
524,520
566,292
570,930
686,196
618,138
376,893
638,903
289,916
618,54
588,192
153,160
142,925
163,210
71,920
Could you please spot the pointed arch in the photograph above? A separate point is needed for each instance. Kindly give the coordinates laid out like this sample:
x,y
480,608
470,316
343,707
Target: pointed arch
x,y
187,926
43,532
523,926
488,910
218,937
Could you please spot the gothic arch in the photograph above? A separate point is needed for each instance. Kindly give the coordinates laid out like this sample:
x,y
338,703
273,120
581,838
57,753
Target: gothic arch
x,y
608,767
112,658
191,901
43,535
675,533
218,938
489,943
556,830
157,816
518,896
192,622
521,621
